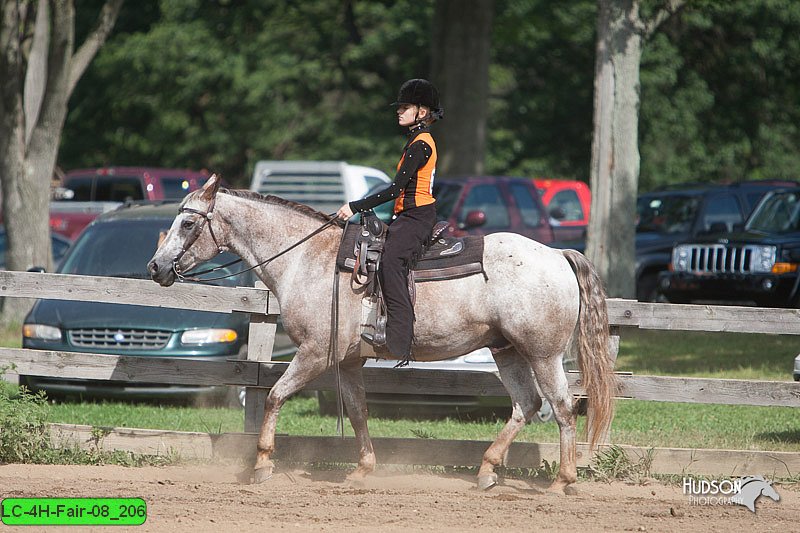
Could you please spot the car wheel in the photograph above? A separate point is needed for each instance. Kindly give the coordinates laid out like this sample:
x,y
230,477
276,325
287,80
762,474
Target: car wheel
x,y
544,414
647,288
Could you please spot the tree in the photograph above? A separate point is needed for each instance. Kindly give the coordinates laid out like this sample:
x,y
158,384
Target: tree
x,y
460,69
610,245
39,69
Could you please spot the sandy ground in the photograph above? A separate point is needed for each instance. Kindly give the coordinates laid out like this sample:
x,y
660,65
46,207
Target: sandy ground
x,y
210,498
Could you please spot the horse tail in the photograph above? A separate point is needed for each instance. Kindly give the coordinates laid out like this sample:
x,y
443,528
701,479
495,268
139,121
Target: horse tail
x,y
591,339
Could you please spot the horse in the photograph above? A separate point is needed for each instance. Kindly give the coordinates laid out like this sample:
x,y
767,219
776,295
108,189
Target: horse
x,y
536,305
752,488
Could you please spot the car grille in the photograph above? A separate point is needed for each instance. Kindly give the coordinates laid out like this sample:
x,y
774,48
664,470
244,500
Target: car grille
x,y
126,339
718,258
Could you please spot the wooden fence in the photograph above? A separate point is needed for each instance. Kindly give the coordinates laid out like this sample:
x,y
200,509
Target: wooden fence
x,y
258,373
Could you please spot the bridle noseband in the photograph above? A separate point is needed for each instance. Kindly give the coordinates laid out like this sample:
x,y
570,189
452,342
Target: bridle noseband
x,y
196,231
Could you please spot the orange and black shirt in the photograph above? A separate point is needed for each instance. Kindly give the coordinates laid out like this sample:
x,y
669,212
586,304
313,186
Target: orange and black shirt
x,y
413,183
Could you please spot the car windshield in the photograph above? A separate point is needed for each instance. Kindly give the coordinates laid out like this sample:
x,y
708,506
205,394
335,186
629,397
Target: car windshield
x,y
446,195
778,212
122,249
666,214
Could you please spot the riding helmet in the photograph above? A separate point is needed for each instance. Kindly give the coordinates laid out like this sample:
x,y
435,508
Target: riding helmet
x,y
421,92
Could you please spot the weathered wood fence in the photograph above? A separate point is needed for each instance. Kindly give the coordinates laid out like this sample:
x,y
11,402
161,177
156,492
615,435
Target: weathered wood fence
x,y
258,373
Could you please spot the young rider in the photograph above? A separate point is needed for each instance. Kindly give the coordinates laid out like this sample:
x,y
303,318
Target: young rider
x,y
414,209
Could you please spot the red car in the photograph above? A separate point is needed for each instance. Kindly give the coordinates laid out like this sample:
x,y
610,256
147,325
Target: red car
x,y
118,184
491,204
568,202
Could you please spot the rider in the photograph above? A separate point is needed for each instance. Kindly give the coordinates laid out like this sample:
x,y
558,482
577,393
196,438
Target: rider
x,y
414,209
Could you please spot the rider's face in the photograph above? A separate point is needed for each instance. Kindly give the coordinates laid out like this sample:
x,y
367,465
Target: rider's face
x,y
408,114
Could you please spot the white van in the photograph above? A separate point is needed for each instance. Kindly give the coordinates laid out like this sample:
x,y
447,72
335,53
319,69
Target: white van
x,y
323,185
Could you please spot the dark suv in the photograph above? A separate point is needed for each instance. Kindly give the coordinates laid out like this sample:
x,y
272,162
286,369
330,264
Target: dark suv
x,y
119,244
669,216
757,265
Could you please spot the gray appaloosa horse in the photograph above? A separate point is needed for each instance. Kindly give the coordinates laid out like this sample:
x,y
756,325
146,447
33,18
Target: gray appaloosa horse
x,y
537,304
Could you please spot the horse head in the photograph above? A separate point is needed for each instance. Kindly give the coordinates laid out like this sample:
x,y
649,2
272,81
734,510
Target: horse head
x,y
191,240
753,487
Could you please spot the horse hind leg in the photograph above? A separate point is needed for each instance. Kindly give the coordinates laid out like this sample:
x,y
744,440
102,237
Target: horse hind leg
x,y
517,377
554,386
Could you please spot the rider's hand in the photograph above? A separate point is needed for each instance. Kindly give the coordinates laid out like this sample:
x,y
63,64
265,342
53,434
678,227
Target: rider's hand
x,y
344,212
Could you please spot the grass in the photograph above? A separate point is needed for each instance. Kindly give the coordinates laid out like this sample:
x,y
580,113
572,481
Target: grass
x,y
646,424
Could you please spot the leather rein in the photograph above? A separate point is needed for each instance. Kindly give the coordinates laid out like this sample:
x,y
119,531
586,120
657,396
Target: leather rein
x,y
197,230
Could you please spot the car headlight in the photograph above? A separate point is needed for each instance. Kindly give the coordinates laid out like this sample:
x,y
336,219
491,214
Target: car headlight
x,y
208,336
763,258
41,332
680,258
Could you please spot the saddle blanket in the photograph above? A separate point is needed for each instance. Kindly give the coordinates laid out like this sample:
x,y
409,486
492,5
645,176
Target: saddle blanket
x,y
446,258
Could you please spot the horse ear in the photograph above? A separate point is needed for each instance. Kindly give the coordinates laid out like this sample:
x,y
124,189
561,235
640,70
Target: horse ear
x,y
211,187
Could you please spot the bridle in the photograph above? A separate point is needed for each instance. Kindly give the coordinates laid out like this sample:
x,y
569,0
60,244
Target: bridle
x,y
207,216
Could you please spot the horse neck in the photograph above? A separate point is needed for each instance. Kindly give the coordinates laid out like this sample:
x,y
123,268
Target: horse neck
x,y
259,230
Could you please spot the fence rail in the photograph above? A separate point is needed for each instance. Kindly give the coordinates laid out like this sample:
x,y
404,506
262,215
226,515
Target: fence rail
x,y
258,372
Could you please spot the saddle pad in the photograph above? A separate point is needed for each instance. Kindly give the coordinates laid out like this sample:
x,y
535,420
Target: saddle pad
x,y
438,267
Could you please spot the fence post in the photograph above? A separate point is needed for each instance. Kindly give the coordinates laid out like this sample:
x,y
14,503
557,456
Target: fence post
x,y
261,339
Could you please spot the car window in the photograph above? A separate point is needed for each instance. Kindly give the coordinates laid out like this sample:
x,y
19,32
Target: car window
x,y
175,187
528,207
123,248
81,186
569,203
118,189
777,213
721,209
486,198
446,195
666,214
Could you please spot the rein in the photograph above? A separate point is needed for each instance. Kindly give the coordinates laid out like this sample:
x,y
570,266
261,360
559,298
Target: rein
x,y
196,234
333,349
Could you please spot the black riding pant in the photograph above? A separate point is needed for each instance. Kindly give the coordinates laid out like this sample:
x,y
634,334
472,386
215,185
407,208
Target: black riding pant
x,y
404,240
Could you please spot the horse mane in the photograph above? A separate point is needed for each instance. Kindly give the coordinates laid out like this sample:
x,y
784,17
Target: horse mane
x,y
276,200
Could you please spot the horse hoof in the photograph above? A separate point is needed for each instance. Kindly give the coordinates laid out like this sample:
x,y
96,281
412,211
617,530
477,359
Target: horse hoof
x,y
570,490
487,482
261,475
355,483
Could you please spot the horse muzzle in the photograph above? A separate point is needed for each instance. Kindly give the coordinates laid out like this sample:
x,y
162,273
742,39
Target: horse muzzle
x,y
161,273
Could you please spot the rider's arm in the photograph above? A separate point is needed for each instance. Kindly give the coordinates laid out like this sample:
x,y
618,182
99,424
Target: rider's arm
x,y
415,158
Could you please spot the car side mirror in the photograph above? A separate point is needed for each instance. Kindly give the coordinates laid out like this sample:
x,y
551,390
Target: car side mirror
x,y
475,219
38,269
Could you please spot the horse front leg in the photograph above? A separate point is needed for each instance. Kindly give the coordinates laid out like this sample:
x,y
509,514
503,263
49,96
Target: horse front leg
x,y
301,371
355,400
517,377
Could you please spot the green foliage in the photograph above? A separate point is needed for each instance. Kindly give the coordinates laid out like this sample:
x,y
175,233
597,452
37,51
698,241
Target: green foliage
x,y
614,463
24,437
222,84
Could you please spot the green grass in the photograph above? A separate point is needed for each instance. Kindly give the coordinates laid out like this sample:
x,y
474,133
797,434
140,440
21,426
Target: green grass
x,y
717,355
713,355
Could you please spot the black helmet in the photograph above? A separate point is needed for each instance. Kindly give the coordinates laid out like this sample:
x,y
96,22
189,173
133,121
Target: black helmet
x,y
420,92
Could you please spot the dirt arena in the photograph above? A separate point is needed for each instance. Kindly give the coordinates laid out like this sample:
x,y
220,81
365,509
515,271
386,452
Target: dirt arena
x,y
210,498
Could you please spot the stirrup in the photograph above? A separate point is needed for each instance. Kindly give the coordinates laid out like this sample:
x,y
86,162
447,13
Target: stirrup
x,y
379,347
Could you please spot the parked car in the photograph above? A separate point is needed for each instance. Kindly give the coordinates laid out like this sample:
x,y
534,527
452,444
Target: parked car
x,y
421,405
119,244
323,185
120,184
568,203
481,205
684,212
756,265
59,245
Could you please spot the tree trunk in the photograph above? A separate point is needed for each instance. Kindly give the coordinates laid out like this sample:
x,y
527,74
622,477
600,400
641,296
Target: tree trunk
x,y
33,107
615,144
460,69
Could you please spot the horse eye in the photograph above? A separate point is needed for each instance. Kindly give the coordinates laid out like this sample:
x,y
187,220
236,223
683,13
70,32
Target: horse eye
x,y
187,224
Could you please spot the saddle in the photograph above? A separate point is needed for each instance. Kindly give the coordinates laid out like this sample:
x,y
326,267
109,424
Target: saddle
x,y
441,258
